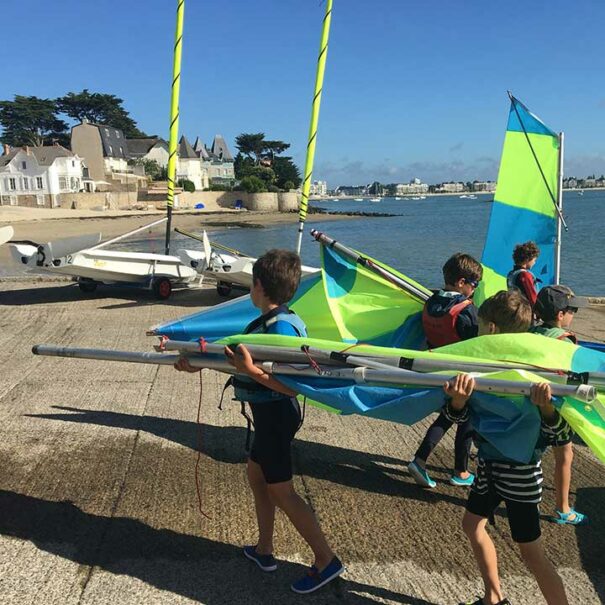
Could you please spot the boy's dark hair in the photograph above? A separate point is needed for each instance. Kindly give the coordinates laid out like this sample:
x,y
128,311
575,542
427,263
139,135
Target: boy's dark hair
x,y
509,310
461,266
278,272
525,252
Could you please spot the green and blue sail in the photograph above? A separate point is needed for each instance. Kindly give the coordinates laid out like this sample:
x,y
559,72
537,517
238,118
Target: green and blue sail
x,y
525,201
347,305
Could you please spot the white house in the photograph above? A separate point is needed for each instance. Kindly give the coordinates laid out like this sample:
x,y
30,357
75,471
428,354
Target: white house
x,y
37,176
150,148
190,167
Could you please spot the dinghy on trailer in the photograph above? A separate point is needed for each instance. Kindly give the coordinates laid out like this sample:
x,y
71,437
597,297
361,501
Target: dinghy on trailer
x,y
86,259
229,267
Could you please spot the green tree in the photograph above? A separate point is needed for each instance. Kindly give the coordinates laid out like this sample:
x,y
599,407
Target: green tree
x,y
31,121
251,145
100,108
242,165
252,184
273,148
286,171
288,185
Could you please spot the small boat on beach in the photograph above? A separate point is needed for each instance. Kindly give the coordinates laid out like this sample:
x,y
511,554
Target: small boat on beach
x,y
85,258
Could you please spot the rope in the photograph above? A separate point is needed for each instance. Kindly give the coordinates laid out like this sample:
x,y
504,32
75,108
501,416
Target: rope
x,y
198,482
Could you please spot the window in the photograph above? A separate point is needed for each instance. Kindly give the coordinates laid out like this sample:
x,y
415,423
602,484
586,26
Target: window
x,y
12,184
25,183
73,163
40,199
121,151
63,183
39,182
107,131
110,150
118,135
24,165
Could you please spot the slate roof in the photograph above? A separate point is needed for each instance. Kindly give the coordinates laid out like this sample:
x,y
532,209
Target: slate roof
x,y
185,150
139,147
200,149
220,149
45,155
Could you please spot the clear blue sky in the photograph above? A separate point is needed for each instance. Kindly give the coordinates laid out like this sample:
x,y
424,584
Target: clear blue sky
x,y
413,88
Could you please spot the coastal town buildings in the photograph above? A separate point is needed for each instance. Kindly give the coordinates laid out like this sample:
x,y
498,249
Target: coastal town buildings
x,y
449,188
39,176
104,149
414,186
483,186
148,149
318,188
190,167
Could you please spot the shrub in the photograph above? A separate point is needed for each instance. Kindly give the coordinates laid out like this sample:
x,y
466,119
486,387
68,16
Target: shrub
x,y
252,184
187,185
288,185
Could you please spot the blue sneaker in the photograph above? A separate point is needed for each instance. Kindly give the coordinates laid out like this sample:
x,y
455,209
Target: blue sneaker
x,y
316,579
420,475
459,481
265,562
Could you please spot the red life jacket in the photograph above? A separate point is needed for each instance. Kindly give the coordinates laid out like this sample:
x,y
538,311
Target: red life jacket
x,y
441,331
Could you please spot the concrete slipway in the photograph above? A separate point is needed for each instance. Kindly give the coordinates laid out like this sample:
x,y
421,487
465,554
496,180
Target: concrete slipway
x,y
98,501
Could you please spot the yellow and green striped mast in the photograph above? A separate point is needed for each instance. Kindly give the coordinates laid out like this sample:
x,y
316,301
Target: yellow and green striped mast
x,y
174,116
319,80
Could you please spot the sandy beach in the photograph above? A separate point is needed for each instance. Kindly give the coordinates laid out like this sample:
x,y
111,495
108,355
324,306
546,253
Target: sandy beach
x,y
98,494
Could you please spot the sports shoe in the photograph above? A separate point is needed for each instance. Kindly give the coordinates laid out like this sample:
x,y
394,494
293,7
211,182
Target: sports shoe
x,y
265,562
564,518
455,480
420,475
316,579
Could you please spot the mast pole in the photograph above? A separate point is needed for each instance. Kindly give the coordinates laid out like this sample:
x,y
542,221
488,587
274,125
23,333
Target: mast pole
x,y
560,212
174,116
319,80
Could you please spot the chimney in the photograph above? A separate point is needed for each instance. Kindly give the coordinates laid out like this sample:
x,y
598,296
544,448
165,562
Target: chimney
x,y
26,149
6,149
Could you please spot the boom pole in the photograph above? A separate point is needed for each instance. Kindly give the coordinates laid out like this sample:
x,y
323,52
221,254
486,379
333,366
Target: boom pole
x,y
319,81
174,116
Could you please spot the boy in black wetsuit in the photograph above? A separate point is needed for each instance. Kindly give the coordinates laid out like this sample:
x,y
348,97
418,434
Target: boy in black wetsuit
x,y
277,418
450,316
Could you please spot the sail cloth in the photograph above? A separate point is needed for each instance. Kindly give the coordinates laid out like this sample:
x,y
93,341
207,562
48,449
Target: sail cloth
x,y
510,423
344,302
524,205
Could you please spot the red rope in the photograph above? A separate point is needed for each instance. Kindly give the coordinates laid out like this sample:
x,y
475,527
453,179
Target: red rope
x,y
312,362
198,482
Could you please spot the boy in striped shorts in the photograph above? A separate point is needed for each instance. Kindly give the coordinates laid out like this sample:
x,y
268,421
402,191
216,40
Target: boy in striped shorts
x,y
500,479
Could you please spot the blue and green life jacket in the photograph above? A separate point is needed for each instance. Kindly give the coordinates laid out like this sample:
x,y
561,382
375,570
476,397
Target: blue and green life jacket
x,y
246,388
554,332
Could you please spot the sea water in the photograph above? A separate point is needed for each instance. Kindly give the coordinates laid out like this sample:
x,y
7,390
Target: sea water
x,y
424,233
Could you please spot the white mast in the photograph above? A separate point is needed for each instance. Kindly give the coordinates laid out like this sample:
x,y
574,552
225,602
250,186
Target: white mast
x,y
560,213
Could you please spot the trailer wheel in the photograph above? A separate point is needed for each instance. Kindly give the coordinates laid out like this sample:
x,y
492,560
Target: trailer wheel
x,y
87,285
223,288
162,288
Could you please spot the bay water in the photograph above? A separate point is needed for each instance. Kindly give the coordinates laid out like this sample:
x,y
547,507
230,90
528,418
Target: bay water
x,y
424,233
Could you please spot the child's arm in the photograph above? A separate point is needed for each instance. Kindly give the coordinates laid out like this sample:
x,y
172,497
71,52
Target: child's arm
x,y
458,391
244,364
541,397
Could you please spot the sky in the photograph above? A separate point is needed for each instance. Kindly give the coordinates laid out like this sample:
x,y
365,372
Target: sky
x,y
413,88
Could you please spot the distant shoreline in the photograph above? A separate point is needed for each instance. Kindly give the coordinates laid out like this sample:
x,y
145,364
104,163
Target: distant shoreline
x,y
408,196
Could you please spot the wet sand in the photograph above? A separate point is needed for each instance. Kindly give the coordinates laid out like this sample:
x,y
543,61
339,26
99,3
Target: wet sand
x,y
98,500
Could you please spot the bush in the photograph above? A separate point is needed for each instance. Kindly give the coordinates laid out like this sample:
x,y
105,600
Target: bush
x,y
219,187
252,184
288,185
274,189
187,185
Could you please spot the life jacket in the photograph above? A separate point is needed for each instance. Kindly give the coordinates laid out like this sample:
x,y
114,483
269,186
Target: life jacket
x,y
511,278
441,331
554,332
246,388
